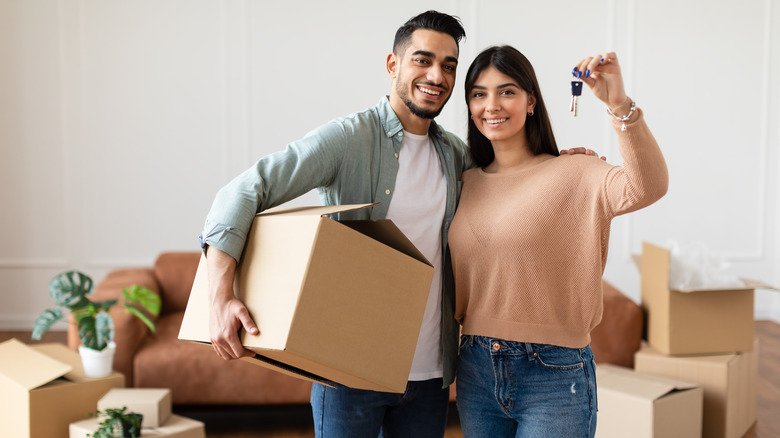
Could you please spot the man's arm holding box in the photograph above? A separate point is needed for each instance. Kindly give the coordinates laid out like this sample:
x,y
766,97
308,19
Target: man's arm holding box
x,y
311,162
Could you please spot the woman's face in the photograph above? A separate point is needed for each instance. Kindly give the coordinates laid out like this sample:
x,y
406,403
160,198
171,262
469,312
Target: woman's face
x,y
499,106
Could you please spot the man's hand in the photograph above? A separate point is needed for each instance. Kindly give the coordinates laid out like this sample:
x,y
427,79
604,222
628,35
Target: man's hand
x,y
585,151
227,314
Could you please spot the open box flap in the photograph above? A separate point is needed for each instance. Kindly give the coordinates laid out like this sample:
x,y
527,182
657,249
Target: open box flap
x,y
386,232
756,284
313,210
749,284
27,367
641,385
65,355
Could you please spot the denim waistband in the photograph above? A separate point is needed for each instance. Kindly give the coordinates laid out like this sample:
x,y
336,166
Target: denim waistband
x,y
502,346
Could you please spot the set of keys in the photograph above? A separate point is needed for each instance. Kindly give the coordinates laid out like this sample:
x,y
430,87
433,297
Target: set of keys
x,y
576,92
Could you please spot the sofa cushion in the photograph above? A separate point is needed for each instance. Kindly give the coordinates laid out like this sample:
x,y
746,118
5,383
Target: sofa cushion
x,y
175,271
196,375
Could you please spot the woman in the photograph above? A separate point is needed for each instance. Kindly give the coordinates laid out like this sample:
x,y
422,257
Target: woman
x,y
529,244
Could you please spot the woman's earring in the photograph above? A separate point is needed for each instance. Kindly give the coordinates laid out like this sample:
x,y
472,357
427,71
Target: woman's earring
x,y
531,113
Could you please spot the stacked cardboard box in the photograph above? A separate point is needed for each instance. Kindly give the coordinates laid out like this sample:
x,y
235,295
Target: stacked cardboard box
x,y
154,404
640,405
729,382
44,389
176,427
704,336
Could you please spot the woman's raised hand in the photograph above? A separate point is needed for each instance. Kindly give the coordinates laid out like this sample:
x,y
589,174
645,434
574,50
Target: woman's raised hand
x,y
603,76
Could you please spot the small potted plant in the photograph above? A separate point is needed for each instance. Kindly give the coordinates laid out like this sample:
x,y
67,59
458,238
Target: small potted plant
x,y
69,291
118,423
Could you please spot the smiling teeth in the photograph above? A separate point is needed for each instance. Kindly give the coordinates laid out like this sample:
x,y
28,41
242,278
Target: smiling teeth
x,y
495,121
429,91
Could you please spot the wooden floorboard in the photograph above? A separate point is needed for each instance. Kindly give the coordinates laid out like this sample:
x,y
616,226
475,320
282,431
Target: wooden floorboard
x,y
295,421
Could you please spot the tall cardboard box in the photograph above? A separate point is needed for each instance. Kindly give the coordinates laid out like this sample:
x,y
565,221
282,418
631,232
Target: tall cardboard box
x,y
728,380
334,301
694,321
639,405
43,389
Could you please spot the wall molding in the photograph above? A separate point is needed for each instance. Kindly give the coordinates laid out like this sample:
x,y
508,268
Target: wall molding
x,y
34,264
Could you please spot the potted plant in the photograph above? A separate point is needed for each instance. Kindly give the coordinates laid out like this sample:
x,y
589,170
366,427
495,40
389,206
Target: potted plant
x,y
69,291
118,423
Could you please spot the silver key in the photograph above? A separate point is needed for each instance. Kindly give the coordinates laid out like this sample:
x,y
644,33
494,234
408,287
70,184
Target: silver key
x,y
576,92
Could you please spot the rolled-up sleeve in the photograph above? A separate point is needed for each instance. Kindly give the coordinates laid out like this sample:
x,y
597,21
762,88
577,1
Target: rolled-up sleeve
x,y
275,179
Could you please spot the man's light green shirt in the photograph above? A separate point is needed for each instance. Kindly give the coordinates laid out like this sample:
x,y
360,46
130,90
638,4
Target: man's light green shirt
x,y
350,160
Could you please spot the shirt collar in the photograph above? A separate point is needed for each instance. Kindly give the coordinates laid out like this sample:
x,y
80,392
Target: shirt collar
x,y
392,125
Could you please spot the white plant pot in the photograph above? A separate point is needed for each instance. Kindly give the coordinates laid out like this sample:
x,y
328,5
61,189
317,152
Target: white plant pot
x,y
98,363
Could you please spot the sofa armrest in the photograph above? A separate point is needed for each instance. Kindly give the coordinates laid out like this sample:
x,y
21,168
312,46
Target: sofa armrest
x,y
619,335
130,332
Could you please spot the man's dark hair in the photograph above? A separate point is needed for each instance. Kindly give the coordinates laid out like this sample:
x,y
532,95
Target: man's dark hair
x,y
432,20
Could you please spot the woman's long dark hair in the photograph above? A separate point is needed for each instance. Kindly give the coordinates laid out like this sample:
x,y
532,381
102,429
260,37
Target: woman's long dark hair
x,y
514,64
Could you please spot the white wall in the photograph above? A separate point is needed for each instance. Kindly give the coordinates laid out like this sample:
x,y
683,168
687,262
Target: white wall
x,y
120,120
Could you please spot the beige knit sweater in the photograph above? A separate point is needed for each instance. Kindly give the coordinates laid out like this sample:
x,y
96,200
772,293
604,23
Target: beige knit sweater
x,y
529,247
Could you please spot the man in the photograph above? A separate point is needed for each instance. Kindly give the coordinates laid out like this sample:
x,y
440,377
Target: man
x,y
394,154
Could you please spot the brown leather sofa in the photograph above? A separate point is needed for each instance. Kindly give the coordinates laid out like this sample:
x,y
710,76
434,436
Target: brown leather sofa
x,y
196,376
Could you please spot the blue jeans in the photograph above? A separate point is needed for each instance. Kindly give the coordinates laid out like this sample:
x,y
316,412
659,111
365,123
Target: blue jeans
x,y
343,412
517,389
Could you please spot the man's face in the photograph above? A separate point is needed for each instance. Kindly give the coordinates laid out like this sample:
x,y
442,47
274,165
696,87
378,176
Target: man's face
x,y
424,74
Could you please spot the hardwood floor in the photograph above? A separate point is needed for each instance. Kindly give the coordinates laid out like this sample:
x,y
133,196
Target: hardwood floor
x,y
768,424
295,421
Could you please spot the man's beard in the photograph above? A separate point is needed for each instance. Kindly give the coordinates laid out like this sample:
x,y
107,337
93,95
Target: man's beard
x,y
421,113
416,110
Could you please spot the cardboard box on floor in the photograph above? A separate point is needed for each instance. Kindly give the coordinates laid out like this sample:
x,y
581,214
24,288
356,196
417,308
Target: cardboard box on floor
x,y
175,427
641,405
334,301
694,321
44,389
729,382
153,403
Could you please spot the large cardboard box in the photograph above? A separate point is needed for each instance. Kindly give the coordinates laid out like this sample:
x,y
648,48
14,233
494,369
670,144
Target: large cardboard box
x,y
728,380
694,321
334,301
43,389
640,405
153,403
175,427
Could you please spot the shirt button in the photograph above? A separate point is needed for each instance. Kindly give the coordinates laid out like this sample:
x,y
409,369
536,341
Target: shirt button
x,y
496,346
401,134
396,155
387,192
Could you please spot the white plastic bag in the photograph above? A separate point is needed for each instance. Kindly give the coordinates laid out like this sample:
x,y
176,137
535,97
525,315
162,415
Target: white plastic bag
x,y
692,267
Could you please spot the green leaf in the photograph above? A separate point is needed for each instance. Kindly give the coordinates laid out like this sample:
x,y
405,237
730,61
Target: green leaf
x,y
69,289
96,331
104,326
143,297
104,305
87,332
137,312
44,322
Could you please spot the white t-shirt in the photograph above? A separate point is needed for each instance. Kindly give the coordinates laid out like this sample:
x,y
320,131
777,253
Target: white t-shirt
x,y
417,209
